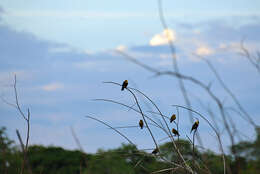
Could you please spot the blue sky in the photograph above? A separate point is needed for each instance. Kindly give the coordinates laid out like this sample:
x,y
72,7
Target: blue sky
x,y
62,51
81,24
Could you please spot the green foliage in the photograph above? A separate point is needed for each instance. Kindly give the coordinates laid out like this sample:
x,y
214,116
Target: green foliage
x,y
123,160
5,142
248,156
213,161
111,161
184,147
56,160
9,156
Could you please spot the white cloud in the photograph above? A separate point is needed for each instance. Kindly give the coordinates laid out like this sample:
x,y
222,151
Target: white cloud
x,y
121,48
52,86
162,38
204,51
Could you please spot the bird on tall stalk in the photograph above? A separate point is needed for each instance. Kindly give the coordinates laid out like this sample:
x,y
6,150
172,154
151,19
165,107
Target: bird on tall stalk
x,y
124,85
155,151
195,126
173,117
141,124
175,132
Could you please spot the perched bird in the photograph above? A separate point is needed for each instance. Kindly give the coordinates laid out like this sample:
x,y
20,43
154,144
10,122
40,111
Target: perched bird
x,y
141,124
173,117
155,151
195,126
124,85
175,132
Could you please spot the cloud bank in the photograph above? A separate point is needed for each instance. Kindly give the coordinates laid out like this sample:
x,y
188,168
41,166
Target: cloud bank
x,y
163,38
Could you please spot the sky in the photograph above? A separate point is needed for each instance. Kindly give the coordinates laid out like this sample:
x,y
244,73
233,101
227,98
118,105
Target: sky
x,y
62,51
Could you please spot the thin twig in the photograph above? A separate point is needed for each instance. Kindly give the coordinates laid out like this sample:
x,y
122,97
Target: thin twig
x,y
27,119
165,170
224,86
175,63
170,134
214,129
76,139
193,147
122,104
111,128
250,58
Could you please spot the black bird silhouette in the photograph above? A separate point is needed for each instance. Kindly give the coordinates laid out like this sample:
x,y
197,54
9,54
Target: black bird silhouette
x,y
175,132
173,117
141,124
155,151
195,126
124,85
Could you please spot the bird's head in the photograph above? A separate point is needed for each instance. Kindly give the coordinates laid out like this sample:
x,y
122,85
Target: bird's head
x,y
197,121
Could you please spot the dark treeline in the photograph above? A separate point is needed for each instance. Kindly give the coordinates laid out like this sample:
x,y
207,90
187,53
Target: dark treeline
x,y
125,159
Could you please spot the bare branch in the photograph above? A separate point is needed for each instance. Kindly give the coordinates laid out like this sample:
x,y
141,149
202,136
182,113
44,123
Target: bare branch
x,y
111,128
174,145
213,128
165,170
20,140
212,68
76,139
122,104
253,60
